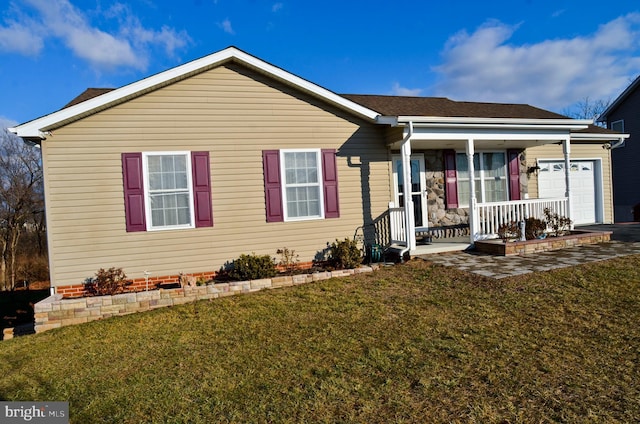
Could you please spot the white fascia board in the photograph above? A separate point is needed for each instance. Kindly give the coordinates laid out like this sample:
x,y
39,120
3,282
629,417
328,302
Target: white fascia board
x,y
33,129
497,123
597,137
488,135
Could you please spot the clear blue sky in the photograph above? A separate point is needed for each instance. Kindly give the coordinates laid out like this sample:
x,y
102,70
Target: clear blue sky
x,y
548,53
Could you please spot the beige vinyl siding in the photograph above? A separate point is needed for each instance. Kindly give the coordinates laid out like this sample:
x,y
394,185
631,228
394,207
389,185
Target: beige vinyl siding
x,y
233,114
578,151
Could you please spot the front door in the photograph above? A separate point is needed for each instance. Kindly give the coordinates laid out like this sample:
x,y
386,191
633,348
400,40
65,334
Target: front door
x,y
418,190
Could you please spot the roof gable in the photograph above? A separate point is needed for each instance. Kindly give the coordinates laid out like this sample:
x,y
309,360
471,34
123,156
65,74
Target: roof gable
x,y
619,100
85,105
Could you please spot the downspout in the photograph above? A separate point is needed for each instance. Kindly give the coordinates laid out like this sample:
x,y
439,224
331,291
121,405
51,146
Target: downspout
x,y
406,183
566,150
617,144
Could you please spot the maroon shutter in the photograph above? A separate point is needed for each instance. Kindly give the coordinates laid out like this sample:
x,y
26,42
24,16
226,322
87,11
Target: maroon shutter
x,y
330,184
132,179
450,179
272,186
201,189
513,156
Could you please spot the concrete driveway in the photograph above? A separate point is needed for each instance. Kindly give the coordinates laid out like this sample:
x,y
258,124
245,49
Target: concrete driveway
x,y
627,231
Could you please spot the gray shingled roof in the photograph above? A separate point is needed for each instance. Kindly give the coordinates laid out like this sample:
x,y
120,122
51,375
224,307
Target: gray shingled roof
x,y
440,106
88,94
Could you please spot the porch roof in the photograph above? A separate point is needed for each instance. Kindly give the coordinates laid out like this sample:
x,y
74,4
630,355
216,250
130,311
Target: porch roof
x,y
491,125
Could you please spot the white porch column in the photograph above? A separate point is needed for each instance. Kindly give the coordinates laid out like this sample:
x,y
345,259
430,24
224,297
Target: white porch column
x,y
409,223
566,150
474,218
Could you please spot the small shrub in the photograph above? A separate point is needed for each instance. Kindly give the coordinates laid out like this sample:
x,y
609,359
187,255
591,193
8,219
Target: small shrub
x,y
345,254
289,260
559,224
107,282
252,267
510,230
534,228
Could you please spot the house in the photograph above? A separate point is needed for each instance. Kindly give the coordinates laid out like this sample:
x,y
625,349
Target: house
x,y
623,115
187,169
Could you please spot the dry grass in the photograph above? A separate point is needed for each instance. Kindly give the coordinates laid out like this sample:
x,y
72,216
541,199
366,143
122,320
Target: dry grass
x,y
414,343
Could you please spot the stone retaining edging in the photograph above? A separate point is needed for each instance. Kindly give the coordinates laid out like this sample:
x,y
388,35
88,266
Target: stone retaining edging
x,y
577,238
55,312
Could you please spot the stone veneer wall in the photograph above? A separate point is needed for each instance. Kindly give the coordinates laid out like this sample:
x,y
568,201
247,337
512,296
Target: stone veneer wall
x,y
439,215
56,311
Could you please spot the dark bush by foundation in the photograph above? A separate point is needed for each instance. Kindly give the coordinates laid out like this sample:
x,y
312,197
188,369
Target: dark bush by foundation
x,y
252,267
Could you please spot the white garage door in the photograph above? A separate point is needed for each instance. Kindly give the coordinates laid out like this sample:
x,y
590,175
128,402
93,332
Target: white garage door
x,y
583,187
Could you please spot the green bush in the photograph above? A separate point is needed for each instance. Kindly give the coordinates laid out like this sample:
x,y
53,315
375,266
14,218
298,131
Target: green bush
x,y
107,282
252,267
345,254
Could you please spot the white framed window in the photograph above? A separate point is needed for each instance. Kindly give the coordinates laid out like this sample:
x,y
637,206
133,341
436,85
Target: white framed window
x,y
168,190
618,126
490,175
301,174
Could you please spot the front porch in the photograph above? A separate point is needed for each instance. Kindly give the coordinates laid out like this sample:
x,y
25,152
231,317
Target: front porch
x,y
453,171
390,228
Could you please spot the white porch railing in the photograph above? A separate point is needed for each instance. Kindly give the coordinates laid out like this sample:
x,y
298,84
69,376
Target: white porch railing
x,y
493,215
396,223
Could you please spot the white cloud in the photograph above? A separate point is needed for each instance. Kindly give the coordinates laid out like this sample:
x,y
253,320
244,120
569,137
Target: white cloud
x,y
16,38
129,44
482,66
398,90
277,7
226,26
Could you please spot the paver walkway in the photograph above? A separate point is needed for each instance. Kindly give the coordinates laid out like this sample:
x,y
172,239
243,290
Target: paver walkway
x,y
508,266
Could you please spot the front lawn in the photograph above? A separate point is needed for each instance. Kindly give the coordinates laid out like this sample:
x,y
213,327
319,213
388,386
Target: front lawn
x,y
412,343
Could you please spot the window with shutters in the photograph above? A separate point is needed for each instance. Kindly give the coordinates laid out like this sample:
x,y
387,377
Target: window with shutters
x,y
300,184
166,190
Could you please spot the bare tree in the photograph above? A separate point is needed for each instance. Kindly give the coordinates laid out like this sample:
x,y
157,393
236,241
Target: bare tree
x,y
21,199
588,109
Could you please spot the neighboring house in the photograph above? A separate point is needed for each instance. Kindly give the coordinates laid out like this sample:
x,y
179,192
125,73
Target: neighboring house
x,y
623,115
185,170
